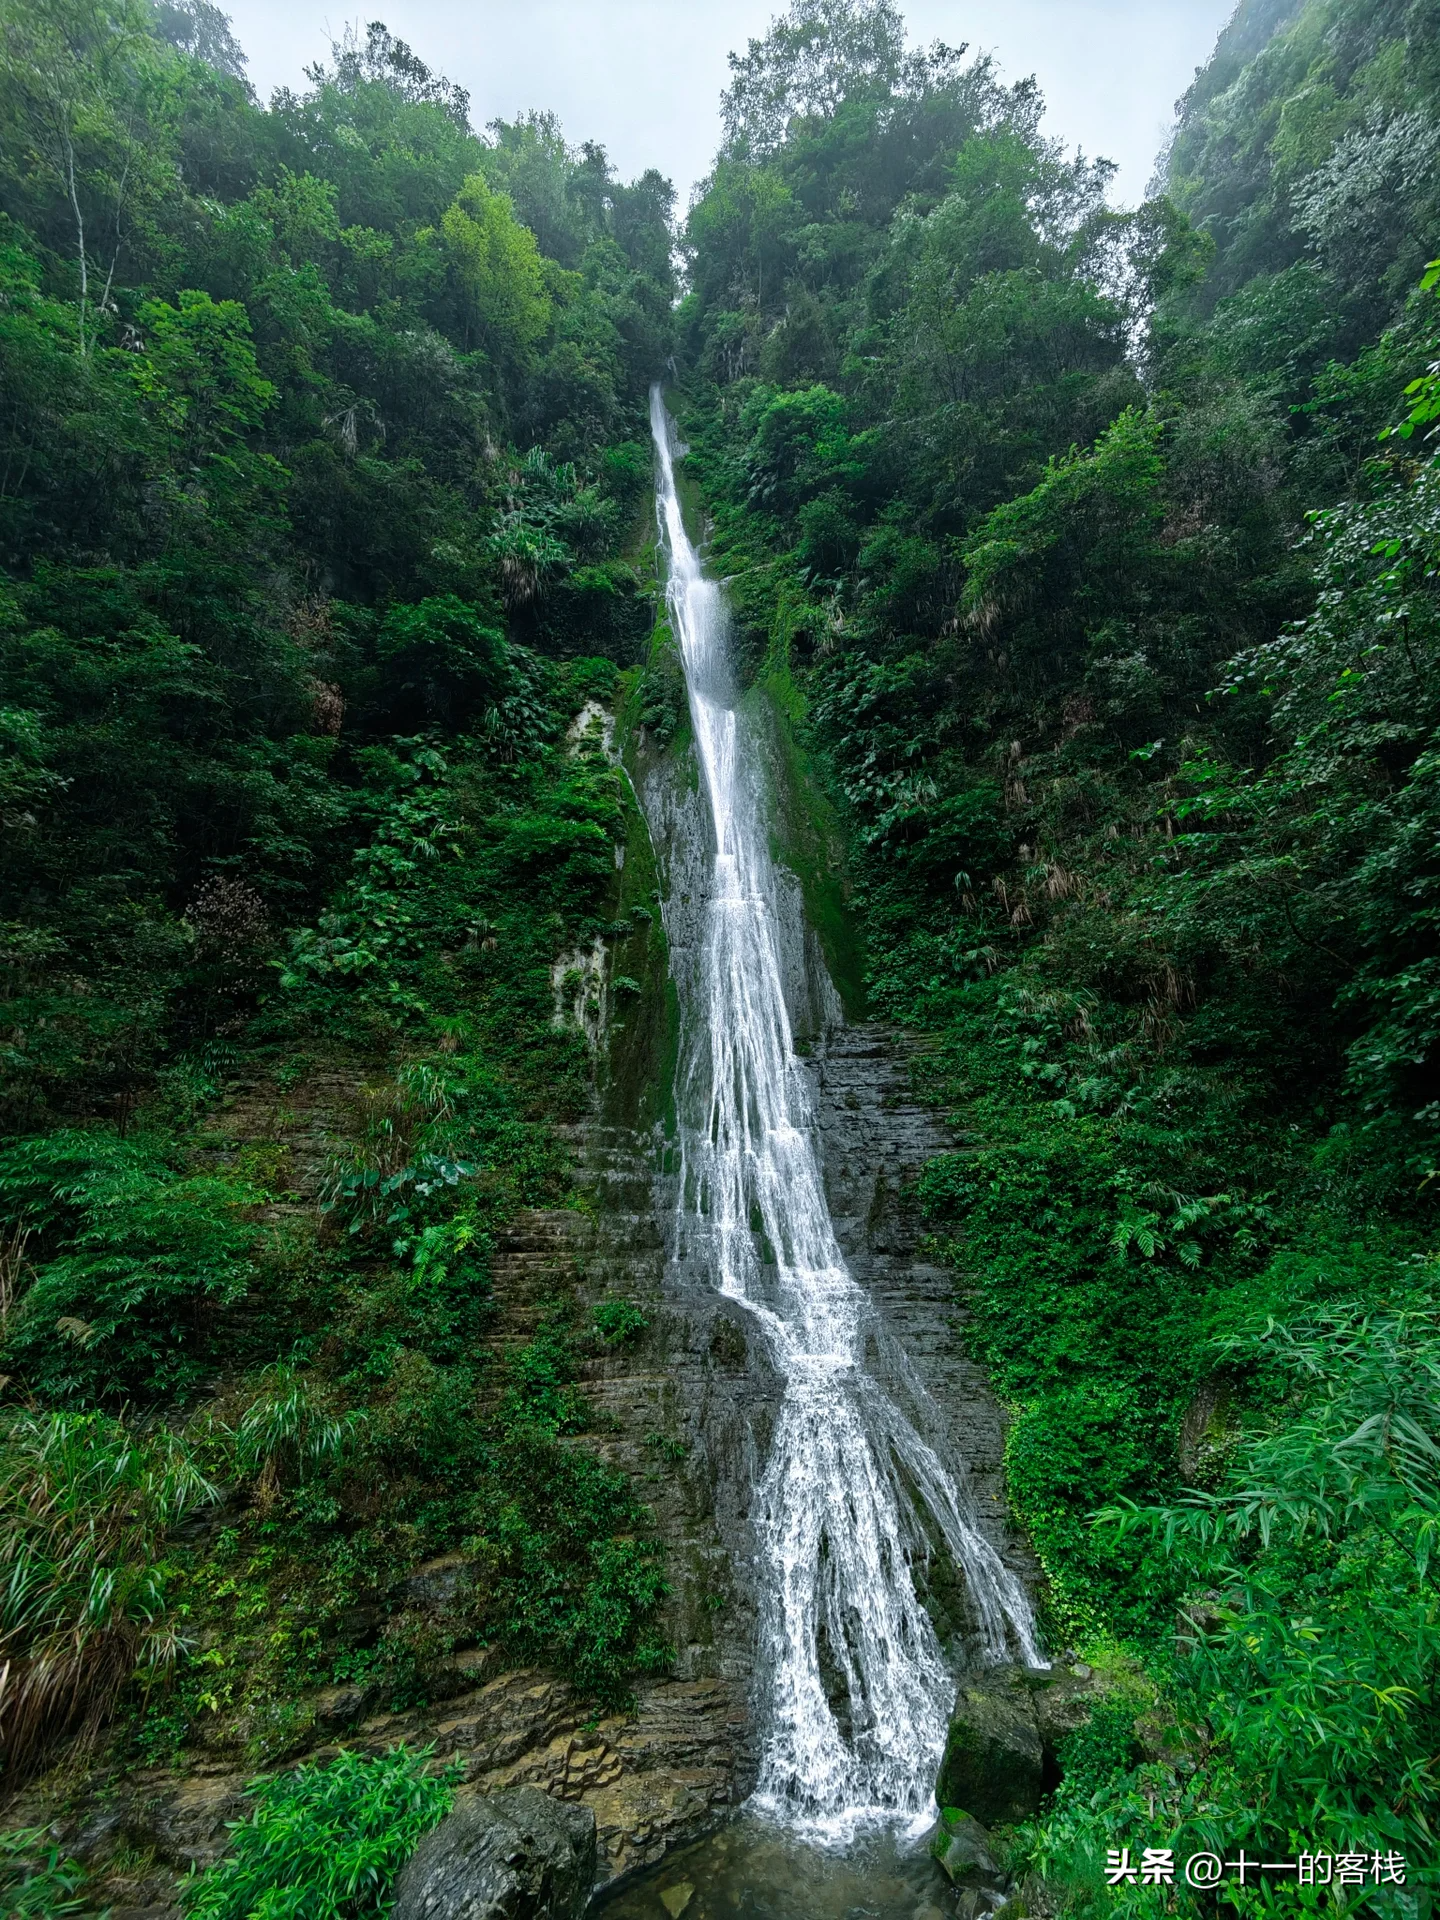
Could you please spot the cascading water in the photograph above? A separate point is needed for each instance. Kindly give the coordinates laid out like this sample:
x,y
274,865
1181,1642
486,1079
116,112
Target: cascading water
x,y
858,1687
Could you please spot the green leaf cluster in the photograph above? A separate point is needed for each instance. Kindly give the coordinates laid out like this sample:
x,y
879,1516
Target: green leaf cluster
x,y
325,1842
321,462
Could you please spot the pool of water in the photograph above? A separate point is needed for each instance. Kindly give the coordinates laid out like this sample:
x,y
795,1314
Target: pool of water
x,y
764,1873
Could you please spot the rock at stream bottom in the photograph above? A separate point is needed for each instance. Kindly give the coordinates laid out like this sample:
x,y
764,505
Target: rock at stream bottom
x,y
517,1855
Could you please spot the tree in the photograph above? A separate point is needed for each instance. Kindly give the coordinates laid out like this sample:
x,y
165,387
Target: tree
x,y
496,262
199,28
820,53
74,81
385,61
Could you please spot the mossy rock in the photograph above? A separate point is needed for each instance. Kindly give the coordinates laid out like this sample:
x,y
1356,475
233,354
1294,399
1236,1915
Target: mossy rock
x,y
965,1850
994,1764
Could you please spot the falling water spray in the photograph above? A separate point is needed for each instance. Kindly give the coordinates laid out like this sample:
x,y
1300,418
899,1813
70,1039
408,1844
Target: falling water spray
x,y
857,1686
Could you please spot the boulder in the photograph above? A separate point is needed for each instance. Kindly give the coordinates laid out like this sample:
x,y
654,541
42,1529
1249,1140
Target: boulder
x,y
994,1764
963,1848
516,1855
1064,1699
337,1708
1002,1751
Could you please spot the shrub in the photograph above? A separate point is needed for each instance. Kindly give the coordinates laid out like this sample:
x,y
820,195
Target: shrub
x,y
140,1251
1310,1680
325,1843
288,1425
619,1323
35,1879
85,1504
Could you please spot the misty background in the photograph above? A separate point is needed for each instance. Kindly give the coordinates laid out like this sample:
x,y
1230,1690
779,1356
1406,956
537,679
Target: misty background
x,y
644,77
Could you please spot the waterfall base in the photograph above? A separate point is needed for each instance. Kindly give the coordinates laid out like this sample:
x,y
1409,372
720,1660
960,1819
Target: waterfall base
x,y
763,1872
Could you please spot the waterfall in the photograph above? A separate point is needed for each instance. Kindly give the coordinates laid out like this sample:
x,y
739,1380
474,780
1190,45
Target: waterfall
x,y
857,1686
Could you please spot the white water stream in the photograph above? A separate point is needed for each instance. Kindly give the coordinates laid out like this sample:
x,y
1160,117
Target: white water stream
x,y
858,1686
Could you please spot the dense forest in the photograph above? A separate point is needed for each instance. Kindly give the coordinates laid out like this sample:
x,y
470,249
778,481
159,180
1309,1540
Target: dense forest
x,y
324,445
1088,559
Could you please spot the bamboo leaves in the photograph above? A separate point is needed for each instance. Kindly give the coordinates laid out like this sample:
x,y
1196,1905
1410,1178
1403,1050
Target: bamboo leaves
x,y
85,1506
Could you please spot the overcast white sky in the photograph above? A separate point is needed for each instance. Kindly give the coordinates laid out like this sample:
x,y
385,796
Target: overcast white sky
x,y
643,77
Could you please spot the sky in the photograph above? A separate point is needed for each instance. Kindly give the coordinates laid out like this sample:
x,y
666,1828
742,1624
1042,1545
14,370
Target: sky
x,y
644,77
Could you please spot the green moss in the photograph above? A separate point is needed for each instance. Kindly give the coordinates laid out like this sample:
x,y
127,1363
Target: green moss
x,y
806,839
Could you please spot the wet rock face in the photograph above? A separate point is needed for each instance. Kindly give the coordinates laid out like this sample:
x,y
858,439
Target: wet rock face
x,y
702,1376
875,1139
963,1848
506,1856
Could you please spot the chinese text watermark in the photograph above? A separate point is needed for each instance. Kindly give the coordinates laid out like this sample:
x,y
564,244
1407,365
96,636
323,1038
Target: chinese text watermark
x,y
1159,1867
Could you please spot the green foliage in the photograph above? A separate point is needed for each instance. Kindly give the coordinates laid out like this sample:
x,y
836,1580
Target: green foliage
x,y
1424,393
249,351
87,1505
325,1842
1312,1644
138,1253
288,1425
456,1457
497,264
619,1322
570,1570
1035,563
798,446
1104,1746
1091,556
1313,129
440,662
810,62
324,441
35,1878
